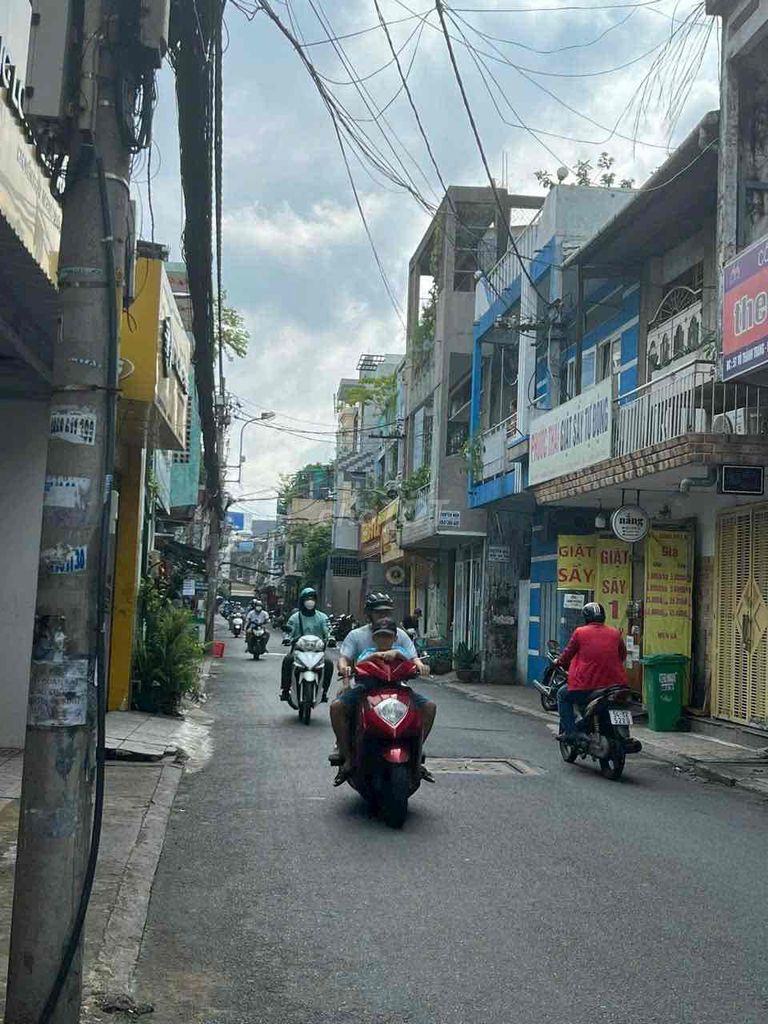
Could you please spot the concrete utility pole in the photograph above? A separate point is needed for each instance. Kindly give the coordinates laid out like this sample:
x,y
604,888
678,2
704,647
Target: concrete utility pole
x,y
72,598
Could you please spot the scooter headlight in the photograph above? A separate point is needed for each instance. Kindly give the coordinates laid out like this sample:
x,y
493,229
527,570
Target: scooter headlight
x,y
392,710
310,643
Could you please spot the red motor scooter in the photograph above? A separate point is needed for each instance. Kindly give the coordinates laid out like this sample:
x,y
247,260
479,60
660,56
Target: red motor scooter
x,y
387,739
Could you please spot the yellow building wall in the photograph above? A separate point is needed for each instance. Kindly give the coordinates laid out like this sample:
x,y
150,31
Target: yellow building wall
x,y
139,334
127,553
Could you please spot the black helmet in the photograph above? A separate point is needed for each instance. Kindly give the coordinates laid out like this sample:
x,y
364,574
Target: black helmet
x,y
593,612
378,602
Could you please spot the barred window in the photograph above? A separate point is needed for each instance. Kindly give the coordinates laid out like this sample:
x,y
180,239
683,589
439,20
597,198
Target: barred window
x,y
183,457
344,565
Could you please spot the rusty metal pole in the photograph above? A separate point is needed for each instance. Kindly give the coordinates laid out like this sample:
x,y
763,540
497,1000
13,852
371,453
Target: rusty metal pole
x,y
72,602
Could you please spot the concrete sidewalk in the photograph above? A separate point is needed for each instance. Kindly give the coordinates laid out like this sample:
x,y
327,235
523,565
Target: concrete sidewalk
x,y
706,756
147,755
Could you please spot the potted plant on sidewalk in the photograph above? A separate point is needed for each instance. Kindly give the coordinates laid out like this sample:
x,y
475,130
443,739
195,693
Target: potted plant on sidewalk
x,y
466,662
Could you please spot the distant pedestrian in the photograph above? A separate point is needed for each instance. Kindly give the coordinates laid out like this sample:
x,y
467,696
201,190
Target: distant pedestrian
x,y
412,621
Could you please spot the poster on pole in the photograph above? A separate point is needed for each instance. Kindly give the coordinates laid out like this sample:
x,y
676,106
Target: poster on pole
x,y
668,592
613,588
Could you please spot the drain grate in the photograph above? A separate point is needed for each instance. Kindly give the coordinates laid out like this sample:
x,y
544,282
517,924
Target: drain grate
x,y
481,766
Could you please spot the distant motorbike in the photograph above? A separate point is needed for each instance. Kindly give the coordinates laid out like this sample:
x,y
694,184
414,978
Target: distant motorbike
x,y
306,675
236,624
387,740
553,680
342,625
256,639
603,732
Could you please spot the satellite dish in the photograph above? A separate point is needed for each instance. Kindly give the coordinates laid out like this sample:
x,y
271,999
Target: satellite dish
x,y
562,174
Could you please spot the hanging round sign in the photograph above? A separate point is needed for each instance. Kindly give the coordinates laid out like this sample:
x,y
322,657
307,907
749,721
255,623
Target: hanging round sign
x,y
395,575
630,523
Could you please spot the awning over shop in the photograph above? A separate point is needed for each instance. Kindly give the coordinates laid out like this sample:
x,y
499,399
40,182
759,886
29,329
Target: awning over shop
x,y
182,554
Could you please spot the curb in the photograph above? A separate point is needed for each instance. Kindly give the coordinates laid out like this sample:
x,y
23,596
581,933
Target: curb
x,y
116,962
660,753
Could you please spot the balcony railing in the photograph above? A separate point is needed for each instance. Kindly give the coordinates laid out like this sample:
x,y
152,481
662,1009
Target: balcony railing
x,y
687,401
423,504
493,455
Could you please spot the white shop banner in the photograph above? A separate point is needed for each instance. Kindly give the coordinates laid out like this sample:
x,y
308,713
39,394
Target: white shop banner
x,y
572,436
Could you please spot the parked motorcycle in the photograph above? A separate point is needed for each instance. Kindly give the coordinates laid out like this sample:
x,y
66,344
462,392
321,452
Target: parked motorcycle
x,y
553,680
603,732
342,625
307,675
256,639
387,739
236,624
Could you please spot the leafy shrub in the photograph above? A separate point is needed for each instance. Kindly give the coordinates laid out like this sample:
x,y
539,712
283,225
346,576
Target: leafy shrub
x,y
166,660
465,657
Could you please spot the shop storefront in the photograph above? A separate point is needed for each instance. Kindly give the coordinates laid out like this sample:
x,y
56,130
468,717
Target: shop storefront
x,y
645,585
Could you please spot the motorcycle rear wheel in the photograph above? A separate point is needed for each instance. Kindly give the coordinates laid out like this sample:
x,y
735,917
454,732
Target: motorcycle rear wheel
x,y
568,752
393,803
613,766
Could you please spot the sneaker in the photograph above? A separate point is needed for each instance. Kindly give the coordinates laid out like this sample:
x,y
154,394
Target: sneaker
x,y
283,695
324,699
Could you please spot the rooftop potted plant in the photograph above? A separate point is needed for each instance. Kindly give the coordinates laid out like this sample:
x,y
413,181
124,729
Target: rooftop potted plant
x,y
466,661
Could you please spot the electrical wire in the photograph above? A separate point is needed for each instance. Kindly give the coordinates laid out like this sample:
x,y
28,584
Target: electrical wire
x,y
478,140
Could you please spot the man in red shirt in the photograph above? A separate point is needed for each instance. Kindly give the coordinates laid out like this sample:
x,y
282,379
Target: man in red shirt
x,y
594,658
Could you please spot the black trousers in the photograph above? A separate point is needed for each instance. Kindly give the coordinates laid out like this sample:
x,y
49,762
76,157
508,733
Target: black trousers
x,y
287,668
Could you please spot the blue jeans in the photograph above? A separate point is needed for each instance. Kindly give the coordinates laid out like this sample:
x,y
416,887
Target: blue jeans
x,y
566,705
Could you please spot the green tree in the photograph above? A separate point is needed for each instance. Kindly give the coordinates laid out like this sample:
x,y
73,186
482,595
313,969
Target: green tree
x,y
234,333
315,540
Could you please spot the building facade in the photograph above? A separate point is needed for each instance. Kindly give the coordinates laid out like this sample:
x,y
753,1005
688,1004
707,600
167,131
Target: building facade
x,y
30,225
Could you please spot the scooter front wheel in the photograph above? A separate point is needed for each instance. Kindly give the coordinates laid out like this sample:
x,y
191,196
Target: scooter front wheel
x,y
393,802
612,767
547,702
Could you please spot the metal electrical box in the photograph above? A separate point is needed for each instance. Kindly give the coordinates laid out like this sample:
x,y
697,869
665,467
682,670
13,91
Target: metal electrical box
x,y
47,96
154,23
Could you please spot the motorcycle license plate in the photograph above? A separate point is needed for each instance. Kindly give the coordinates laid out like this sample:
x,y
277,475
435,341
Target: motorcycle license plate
x,y
620,717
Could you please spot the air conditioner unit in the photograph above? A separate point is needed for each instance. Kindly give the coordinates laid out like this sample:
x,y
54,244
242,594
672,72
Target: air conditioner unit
x,y
724,423
741,421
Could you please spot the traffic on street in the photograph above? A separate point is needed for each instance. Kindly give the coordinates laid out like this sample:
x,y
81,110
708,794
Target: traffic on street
x,y
519,889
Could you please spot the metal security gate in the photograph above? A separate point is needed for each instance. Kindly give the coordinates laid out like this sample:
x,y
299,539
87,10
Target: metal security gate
x,y
467,598
740,682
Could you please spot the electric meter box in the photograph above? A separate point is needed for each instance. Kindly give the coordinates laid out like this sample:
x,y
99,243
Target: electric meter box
x,y
46,96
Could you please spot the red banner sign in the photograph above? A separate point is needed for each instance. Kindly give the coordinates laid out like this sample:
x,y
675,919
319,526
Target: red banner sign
x,y
745,311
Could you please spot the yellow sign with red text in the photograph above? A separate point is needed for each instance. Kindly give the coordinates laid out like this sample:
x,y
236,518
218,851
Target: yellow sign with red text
x,y
613,587
602,564
668,592
575,562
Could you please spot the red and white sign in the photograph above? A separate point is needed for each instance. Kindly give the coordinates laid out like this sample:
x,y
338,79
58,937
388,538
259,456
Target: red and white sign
x,y
745,311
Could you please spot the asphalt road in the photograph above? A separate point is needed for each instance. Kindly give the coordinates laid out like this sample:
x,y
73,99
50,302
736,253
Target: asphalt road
x,y
552,898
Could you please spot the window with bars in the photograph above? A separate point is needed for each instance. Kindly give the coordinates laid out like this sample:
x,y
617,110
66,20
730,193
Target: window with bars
x,y
344,565
183,457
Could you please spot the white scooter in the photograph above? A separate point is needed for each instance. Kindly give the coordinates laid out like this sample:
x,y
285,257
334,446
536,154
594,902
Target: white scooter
x,y
307,675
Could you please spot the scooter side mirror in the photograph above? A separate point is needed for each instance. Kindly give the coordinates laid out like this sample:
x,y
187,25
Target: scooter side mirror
x,y
286,642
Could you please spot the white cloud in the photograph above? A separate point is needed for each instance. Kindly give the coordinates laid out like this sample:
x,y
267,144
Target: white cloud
x,y
287,235
293,370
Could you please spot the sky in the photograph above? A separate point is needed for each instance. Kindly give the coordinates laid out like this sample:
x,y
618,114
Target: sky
x,y
297,262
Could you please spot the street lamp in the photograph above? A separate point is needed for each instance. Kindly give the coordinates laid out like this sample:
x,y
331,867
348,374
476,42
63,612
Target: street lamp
x,y
241,458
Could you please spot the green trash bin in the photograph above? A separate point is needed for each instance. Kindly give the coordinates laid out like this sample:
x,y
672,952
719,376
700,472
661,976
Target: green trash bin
x,y
664,681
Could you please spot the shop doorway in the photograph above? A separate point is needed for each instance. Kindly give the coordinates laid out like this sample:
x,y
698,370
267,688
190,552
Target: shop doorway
x,y
740,678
